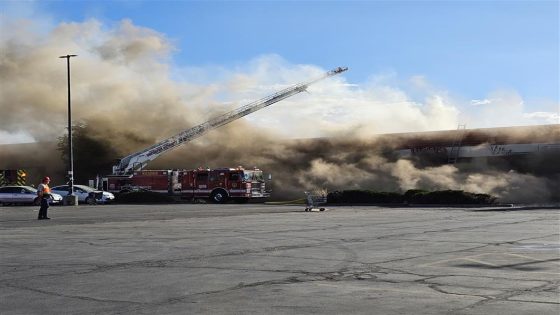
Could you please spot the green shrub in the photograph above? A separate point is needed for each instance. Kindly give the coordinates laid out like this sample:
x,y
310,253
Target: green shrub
x,y
364,196
411,193
334,197
414,196
448,197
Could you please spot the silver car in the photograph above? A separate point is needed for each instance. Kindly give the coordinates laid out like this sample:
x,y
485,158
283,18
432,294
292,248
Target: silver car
x,y
24,195
85,194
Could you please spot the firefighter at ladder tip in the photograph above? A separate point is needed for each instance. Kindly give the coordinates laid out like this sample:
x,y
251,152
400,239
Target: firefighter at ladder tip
x,y
44,194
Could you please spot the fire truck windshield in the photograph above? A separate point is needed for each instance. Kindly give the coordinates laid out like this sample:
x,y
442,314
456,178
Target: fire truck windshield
x,y
252,175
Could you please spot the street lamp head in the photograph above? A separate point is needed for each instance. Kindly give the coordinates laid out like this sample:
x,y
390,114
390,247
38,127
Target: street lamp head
x,y
67,56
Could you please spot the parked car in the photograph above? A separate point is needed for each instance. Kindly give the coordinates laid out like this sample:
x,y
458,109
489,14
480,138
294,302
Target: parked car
x,y
24,195
85,194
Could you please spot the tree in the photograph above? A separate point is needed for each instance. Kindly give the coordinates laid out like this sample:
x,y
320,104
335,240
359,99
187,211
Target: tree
x,y
92,155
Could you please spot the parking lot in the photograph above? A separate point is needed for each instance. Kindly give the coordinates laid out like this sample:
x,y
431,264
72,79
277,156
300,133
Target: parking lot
x,y
272,259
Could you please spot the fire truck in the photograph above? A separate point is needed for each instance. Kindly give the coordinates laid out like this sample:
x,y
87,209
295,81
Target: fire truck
x,y
217,184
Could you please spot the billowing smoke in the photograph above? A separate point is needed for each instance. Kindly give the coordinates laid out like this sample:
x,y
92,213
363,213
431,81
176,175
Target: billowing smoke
x,y
123,81
120,83
351,163
127,91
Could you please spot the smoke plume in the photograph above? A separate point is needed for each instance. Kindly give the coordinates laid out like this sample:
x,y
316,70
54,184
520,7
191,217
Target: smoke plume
x,y
352,163
127,91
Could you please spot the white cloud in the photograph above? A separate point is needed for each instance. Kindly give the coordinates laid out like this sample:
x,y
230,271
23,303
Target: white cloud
x,y
503,108
333,106
480,102
16,137
547,117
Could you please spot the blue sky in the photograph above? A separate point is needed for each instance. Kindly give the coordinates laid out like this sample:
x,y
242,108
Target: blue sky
x,y
470,47
470,58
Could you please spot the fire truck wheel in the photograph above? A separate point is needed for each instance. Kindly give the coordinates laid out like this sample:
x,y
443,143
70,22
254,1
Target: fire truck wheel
x,y
219,196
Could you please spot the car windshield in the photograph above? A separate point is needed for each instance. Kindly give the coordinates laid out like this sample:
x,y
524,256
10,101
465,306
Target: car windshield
x,y
32,189
83,187
86,188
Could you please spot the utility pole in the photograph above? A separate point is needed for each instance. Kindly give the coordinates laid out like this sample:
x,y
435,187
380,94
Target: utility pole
x,y
72,199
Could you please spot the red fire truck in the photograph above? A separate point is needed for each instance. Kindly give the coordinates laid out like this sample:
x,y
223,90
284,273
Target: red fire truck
x,y
219,185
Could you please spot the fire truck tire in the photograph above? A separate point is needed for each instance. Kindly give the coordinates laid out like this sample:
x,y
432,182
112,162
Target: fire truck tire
x,y
219,196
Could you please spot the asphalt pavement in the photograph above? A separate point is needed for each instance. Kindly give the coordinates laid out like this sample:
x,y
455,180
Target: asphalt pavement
x,y
278,259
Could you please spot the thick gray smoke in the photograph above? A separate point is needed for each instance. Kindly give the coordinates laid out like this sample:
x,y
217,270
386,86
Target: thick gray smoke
x,y
120,83
122,88
351,163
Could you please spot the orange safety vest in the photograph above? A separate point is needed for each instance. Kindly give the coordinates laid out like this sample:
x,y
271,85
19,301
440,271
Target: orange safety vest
x,y
46,190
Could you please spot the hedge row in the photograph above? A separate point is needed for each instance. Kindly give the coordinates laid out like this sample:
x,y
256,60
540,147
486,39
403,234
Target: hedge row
x,y
415,196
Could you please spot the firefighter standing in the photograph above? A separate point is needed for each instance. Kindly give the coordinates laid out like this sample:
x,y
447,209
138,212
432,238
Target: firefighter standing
x,y
44,193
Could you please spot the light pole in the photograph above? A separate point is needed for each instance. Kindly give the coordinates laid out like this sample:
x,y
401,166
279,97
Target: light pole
x,y
72,198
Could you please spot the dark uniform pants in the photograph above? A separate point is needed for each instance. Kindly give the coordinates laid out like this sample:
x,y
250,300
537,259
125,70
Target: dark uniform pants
x,y
44,207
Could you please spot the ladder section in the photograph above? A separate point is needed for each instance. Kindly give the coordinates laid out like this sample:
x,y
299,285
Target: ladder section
x,y
453,154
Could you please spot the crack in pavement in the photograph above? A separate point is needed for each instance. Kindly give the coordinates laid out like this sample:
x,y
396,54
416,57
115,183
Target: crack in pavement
x,y
363,273
508,294
353,255
79,297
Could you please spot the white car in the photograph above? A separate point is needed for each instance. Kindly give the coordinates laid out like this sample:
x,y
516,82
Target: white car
x,y
24,194
85,194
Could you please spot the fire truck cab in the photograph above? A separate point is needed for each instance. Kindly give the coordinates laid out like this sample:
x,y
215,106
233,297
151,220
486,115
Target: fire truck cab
x,y
219,185
224,183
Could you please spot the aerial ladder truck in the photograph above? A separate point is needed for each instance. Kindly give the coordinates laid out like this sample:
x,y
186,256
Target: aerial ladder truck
x,y
219,184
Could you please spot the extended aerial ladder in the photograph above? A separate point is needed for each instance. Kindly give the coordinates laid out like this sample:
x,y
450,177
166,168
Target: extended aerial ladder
x,y
140,159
